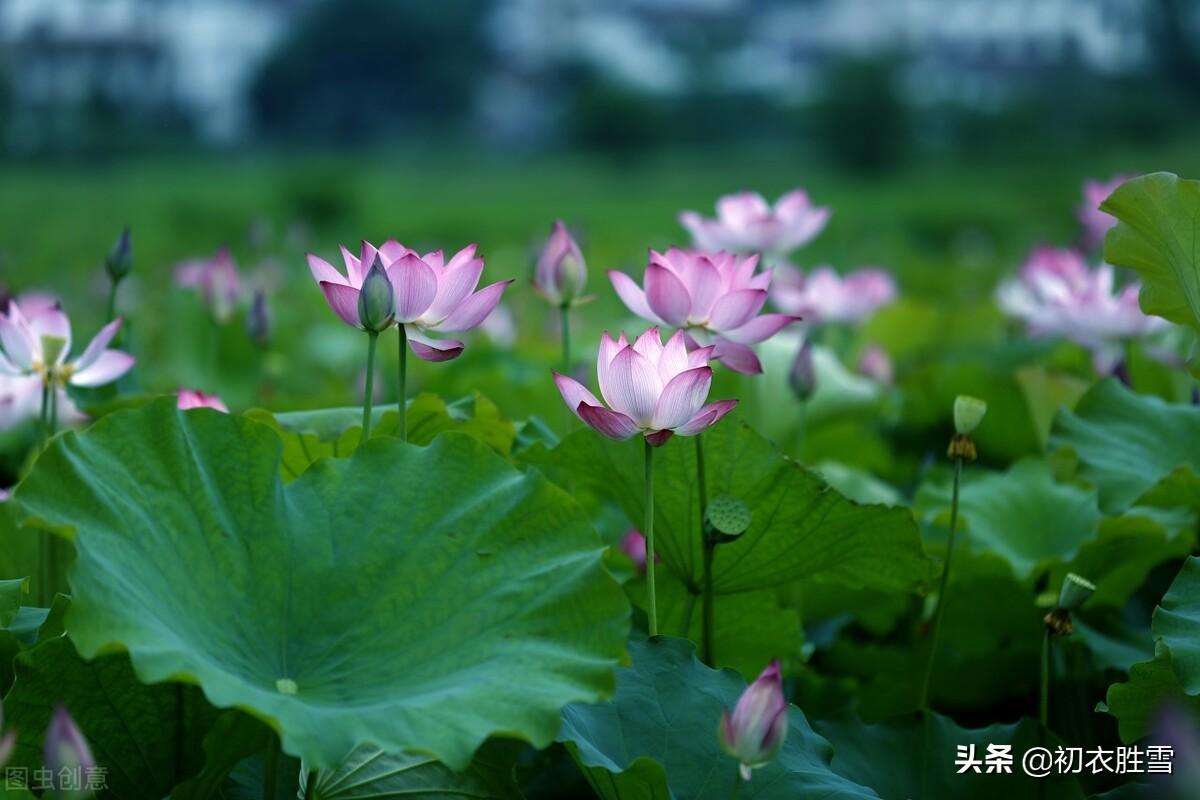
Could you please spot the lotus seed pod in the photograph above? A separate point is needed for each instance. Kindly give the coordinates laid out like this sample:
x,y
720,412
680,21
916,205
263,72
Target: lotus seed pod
x,y
968,413
1076,591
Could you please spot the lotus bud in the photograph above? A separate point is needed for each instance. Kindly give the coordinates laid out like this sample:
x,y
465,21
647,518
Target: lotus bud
x,y
633,544
803,376
561,273
7,741
968,413
67,756
377,300
258,323
755,731
119,261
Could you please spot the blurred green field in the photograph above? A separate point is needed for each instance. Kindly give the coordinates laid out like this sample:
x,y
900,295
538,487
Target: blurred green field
x,y
948,231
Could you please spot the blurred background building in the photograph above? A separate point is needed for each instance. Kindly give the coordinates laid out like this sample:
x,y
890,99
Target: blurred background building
x,y
873,81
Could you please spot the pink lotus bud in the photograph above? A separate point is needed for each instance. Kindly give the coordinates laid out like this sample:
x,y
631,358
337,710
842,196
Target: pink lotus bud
x,y
258,322
67,756
561,274
876,365
189,399
803,376
755,731
634,545
650,388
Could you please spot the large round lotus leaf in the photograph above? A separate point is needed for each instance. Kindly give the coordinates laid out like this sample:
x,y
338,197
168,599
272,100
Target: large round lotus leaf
x,y
414,598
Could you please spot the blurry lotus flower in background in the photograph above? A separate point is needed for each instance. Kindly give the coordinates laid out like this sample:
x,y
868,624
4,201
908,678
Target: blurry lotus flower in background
x,y
1095,222
633,544
715,297
7,740
1057,294
1178,729
650,388
500,326
431,294
189,399
875,364
747,223
67,756
560,275
216,279
34,351
4,495
824,296
757,728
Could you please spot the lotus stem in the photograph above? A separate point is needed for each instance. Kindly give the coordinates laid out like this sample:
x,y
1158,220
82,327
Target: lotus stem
x,y
403,388
310,785
368,397
565,319
706,605
271,769
940,608
1044,697
112,300
649,531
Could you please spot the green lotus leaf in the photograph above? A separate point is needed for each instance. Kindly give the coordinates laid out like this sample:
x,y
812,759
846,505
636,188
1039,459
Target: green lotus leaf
x,y
147,738
233,737
1021,515
1174,673
914,756
334,432
1156,235
416,598
1133,447
658,737
370,773
800,526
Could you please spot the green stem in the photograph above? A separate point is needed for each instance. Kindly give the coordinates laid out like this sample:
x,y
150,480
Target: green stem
x,y
709,548
368,397
402,406
310,785
649,532
565,318
112,300
1044,699
52,418
44,595
271,769
941,599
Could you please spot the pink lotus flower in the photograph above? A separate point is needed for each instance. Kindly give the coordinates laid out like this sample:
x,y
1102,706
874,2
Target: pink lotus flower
x,y
40,345
747,223
715,297
67,756
189,399
758,726
21,389
650,388
1095,222
561,273
1057,294
875,364
216,279
824,296
633,544
432,295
